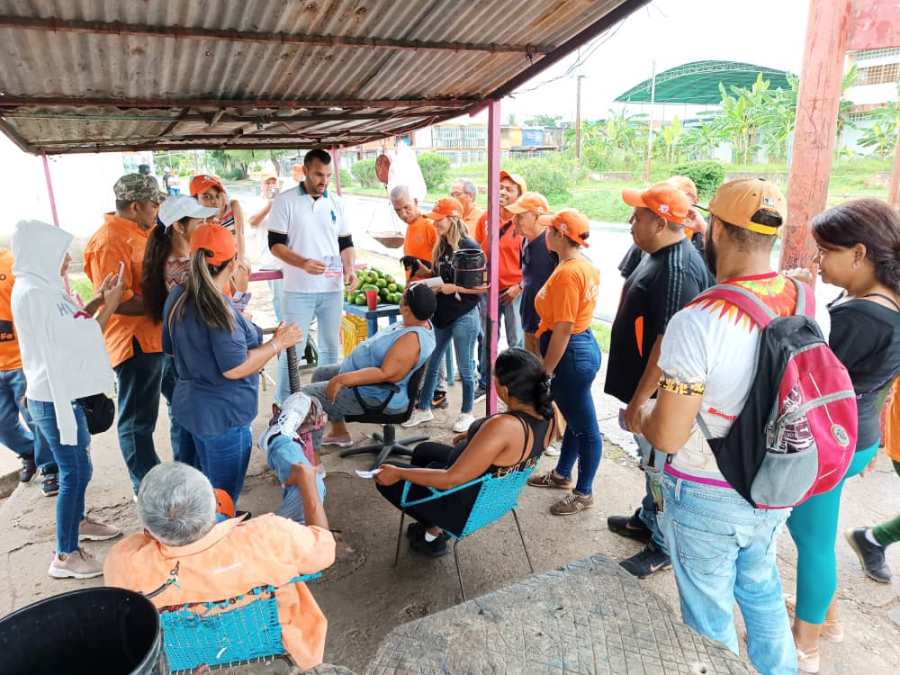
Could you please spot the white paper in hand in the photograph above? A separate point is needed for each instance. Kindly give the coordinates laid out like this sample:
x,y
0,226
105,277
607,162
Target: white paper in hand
x,y
367,474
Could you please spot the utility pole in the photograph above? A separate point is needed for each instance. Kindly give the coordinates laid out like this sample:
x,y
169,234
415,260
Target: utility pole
x,y
578,80
650,122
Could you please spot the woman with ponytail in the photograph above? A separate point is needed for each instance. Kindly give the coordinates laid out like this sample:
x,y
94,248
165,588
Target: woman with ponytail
x,y
498,444
218,354
167,261
859,251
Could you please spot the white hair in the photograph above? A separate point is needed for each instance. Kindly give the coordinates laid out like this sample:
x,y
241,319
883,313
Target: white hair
x,y
468,187
399,193
176,503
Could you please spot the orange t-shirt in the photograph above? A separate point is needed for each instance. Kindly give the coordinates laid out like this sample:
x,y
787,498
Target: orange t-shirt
x,y
510,250
122,240
472,218
421,236
10,358
234,557
570,294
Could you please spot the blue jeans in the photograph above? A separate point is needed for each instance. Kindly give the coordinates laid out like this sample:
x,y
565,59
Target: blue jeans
x,y
463,332
140,381
276,286
183,449
75,470
282,454
301,308
652,480
511,319
27,443
571,389
723,550
224,458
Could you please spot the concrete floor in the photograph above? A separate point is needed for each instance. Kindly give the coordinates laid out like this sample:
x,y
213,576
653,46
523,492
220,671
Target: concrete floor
x,y
364,597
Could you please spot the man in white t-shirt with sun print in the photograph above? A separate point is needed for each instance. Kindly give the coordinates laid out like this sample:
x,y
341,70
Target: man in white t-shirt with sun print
x,y
310,235
722,549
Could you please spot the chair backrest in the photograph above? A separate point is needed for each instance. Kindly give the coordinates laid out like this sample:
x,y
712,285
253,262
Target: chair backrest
x,y
498,496
239,629
413,385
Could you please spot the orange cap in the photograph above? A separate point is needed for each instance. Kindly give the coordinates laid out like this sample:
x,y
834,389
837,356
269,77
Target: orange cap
x,y
572,224
664,199
448,206
202,183
214,238
685,184
224,503
515,178
530,202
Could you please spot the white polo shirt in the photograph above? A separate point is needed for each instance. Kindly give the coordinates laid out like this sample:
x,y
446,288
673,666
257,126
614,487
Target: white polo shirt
x,y
312,227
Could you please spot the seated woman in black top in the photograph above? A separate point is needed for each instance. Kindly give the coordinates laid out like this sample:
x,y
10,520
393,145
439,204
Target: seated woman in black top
x,y
859,251
497,444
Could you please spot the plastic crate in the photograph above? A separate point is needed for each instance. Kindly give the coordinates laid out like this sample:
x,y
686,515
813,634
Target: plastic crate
x,y
354,331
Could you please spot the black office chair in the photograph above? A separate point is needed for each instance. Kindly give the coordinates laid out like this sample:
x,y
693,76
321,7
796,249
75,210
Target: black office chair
x,y
387,443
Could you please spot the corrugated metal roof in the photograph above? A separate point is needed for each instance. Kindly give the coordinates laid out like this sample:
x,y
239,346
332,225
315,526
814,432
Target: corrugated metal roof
x,y
98,75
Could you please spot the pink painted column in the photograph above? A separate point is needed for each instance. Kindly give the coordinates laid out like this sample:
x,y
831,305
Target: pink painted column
x,y
491,332
818,101
50,189
336,160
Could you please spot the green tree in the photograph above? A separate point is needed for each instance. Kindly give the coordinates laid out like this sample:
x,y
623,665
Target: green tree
x,y
435,169
671,137
743,114
543,120
881,135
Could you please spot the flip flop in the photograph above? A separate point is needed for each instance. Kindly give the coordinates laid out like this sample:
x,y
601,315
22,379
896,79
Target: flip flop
x,y
338,442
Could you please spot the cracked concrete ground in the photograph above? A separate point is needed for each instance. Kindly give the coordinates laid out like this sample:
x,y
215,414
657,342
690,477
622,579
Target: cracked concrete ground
x,y
364,597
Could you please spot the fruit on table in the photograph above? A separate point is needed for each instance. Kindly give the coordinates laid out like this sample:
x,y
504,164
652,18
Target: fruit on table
x,y
389,289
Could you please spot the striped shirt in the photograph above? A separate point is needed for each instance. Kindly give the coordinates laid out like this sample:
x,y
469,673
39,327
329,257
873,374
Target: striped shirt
x,y
663,283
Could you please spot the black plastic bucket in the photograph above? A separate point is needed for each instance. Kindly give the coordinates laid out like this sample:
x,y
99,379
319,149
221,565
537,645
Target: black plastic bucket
x,y
93,631
469,268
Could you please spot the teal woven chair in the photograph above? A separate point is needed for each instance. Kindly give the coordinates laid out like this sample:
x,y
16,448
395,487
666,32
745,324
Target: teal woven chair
x,y
497,496
209,633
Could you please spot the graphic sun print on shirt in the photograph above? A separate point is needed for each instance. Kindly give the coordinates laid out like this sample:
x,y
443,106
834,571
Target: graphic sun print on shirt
x,y
778,292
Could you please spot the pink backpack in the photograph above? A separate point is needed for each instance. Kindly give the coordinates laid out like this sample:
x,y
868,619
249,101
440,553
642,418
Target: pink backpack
x,y
796,434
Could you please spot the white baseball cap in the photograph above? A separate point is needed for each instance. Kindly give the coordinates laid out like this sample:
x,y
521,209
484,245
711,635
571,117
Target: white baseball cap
x,y
175,208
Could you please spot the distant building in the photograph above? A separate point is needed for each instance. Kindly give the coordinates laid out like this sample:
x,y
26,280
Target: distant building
x,y
877,84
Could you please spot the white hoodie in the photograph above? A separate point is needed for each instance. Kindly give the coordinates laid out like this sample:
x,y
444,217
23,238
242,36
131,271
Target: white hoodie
x,y
63,354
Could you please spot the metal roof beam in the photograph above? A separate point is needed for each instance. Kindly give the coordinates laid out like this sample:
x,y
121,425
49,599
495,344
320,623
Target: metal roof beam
x,y
12,101
204,117
176,32
16,137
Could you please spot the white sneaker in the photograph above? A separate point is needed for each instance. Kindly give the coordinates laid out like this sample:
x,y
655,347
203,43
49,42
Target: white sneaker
x,y
293,411
418,417
77,565
552,451
463,422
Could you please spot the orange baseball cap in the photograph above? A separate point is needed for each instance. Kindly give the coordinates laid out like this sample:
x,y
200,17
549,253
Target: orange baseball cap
x,y
202,183
739,201
448,206
571,223
664,199
515,178
530,202
215,238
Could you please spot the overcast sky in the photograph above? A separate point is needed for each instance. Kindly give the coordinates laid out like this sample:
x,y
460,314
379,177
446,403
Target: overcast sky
x,y
671,32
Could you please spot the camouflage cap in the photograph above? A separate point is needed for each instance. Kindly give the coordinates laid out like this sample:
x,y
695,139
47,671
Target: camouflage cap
x,y
135,187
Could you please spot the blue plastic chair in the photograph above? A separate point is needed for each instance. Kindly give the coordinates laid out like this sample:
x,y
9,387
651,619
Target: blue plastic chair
x,y
498,495
220,634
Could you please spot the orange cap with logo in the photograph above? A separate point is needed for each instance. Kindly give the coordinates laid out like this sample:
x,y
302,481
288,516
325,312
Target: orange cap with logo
x,y
216,239
740,201
515,178
685,184
570,223
442,208
530,202
664,199
202,183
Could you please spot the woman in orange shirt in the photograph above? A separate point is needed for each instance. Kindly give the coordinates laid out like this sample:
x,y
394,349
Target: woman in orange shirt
x,y
572,358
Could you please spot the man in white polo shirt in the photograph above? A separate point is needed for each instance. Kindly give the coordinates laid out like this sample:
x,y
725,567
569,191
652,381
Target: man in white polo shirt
x,y
308,232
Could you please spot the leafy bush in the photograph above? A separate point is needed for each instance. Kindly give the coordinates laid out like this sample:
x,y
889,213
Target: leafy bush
x,y
435,170
364,173
551,176
346,178
707,175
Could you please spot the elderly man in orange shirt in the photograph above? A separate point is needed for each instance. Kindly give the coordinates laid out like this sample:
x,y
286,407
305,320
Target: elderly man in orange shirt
x,y
133,339
418,245
203,560
511,188
465,192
